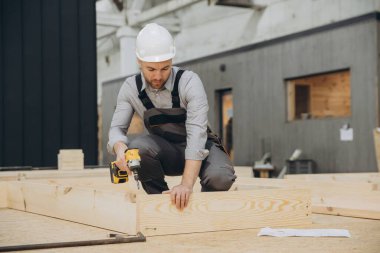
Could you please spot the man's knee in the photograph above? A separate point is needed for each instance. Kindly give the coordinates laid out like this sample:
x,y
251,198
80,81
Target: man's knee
x,y
150,167
218,179
145,144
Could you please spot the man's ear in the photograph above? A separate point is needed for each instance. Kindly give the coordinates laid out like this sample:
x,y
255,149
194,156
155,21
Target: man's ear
x,y
139,63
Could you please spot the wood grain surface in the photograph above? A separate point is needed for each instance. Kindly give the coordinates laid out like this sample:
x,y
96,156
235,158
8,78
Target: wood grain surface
x,y
215,211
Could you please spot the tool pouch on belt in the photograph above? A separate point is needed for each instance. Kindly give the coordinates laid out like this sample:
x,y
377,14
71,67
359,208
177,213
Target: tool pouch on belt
x,y
168,123
215,139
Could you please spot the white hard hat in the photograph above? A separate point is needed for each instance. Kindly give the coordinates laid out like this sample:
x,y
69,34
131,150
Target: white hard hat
x,y
154,44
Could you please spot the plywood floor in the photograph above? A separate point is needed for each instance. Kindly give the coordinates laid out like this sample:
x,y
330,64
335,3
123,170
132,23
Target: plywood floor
x,y
18,227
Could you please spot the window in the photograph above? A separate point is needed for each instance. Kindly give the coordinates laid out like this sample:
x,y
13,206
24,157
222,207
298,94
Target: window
x,y
225,119
319,96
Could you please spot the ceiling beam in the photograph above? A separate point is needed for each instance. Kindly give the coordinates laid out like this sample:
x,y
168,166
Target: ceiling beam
x,y
158,11
107,19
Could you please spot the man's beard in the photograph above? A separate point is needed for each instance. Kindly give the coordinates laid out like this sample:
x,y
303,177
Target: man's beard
x,y
156,85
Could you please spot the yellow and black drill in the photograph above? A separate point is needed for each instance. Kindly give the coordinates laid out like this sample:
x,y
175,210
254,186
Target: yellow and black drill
x,y
133,160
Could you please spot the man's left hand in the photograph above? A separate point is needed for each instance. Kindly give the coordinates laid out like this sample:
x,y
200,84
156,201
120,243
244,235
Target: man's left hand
x,y
180,195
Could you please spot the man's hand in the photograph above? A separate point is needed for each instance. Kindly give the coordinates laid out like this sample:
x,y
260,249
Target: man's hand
x,y
121,163
180,195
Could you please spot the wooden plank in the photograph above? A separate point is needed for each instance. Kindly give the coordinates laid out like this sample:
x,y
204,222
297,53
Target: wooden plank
x,y
99,208
316,186
214,211
353,204
243,171
3,195
41,174
99,183
291,100
376,140
353,199
341,177
70,159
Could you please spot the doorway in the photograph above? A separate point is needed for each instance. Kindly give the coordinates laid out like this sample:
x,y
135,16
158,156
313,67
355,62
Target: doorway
x,y
226,119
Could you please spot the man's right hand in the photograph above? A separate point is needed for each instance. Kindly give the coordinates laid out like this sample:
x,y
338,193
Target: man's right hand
x,y
121,163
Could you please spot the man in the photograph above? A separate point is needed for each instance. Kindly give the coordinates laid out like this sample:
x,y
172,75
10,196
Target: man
x,y
174,107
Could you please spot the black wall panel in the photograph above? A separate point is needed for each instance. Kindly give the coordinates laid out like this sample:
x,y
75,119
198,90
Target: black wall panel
x,y
13,117
48,80
88,96
1,83
70,65
32,80
51,83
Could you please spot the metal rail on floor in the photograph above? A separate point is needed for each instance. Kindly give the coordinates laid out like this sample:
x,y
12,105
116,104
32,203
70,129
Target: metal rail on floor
x,y
115,240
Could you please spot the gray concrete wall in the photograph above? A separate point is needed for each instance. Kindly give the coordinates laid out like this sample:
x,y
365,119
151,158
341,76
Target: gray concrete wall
x,y
257,78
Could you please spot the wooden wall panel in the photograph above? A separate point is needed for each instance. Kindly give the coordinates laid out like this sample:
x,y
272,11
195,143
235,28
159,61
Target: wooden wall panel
x,y
215,211
330,95
106,209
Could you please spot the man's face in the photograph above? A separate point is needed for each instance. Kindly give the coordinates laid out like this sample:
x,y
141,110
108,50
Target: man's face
x,y
156,73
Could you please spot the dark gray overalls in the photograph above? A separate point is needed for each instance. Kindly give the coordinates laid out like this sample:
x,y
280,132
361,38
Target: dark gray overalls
x,y
162,151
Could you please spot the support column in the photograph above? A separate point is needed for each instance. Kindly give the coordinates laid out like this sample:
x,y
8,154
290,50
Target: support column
x,y
128,60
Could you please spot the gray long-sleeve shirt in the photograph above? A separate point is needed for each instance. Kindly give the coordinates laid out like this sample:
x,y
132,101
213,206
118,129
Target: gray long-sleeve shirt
x,y
192,97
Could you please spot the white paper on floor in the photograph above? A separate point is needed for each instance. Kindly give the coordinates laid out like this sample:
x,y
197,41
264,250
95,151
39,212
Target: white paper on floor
x,y
284,232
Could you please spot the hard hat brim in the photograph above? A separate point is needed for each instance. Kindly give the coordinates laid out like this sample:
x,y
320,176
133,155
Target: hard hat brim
x,y
159,58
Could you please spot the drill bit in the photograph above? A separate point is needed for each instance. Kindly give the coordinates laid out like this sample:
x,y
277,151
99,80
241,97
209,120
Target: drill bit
x,y
136,176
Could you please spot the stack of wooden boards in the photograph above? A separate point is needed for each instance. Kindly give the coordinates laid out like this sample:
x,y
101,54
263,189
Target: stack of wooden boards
x,y
70,159
88,197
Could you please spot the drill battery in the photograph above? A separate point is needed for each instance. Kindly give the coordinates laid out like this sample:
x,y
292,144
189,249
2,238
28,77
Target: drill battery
x,y
121,176
117,176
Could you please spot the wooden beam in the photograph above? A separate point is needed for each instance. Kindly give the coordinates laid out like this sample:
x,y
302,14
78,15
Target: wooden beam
x,y
158,11
105,209
291,100
98,183
53,174
215,211
353,199
317,186
108,19
3,195
243,171
341,177
70,159
357,205
376,140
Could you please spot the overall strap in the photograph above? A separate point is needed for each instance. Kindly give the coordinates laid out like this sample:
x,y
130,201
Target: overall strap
x,y
175,94
142,94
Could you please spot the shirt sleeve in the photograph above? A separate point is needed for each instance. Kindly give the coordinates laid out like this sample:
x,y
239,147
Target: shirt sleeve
x,y
196,122
121,119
